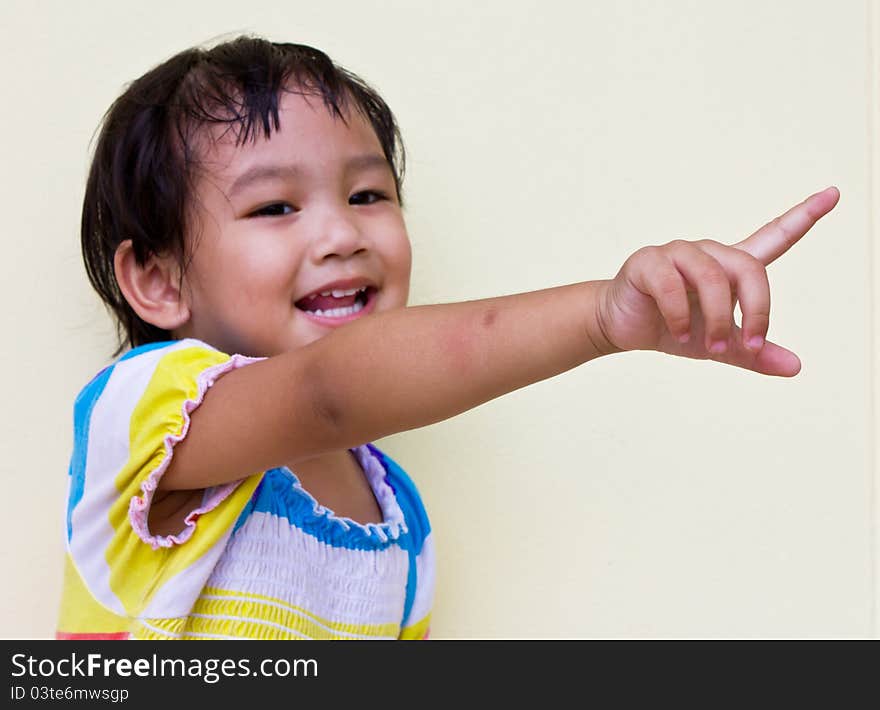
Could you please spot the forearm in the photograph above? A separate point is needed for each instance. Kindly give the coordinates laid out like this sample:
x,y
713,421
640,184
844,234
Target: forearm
x,y
411,367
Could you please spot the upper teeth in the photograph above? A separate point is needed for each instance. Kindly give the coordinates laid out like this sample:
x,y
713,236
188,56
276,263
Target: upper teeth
x,y
336,293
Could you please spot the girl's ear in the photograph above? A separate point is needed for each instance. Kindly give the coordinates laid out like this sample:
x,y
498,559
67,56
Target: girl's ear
x,y
152,290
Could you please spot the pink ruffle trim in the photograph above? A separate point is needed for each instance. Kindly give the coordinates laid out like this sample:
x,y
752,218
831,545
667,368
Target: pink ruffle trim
x,y
139,508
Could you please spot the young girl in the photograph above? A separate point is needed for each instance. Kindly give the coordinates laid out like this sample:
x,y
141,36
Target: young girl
x,y
242,219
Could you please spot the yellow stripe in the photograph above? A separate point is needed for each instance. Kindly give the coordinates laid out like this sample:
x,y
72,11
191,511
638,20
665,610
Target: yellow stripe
x,y
136,570
271,611
234,615
416,631
248,627
158,629
80,612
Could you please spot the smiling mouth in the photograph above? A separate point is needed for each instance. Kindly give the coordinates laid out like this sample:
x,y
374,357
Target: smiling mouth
x,y
338,305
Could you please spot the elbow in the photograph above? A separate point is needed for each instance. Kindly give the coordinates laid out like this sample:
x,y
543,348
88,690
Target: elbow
x,y
329,417
327,413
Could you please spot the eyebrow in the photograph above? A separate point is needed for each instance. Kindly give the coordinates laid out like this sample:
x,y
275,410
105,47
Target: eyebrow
x,y
259,173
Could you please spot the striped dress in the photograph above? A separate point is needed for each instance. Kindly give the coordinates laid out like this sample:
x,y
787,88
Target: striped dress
x,y
259,558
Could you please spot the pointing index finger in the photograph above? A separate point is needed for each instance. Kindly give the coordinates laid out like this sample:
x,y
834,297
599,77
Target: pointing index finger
x,y
778,236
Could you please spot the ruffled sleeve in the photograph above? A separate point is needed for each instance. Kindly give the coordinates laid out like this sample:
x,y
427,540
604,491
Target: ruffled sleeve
x,y
126,427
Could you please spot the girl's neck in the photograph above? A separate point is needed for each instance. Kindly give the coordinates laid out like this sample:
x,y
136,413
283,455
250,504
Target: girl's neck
x,y
337,481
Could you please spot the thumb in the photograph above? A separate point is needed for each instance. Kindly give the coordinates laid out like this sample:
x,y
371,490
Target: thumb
x,y
772,359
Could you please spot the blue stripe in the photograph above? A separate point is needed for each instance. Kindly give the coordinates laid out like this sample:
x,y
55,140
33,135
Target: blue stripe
x,y
141,349
280,494
82,415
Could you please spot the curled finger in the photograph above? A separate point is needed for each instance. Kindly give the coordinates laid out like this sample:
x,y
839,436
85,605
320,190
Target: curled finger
x,y
709,279
748,276
669,291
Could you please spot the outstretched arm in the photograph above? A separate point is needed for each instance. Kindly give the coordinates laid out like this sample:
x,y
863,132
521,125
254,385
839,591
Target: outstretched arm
x,y
386,373
411,367
680,298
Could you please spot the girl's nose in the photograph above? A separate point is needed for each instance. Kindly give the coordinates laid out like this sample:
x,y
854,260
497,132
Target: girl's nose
x,y
338,234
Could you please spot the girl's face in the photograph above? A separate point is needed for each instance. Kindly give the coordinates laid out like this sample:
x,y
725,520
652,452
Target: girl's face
x,y
295,235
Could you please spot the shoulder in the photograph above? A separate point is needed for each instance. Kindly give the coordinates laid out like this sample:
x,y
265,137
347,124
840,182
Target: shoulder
x,y
133,403
157,365
144,359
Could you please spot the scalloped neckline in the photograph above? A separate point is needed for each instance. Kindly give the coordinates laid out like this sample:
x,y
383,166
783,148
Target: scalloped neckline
x,y
392,525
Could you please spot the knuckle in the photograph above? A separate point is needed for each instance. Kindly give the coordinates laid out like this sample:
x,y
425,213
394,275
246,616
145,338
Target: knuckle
x,y
756,269
669,284
643,253
713,276
678,245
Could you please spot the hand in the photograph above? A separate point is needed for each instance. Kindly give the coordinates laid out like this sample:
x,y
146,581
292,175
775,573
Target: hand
x,y
679,298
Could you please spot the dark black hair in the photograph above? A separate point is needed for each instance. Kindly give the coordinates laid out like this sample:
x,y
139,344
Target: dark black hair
x,y
140,182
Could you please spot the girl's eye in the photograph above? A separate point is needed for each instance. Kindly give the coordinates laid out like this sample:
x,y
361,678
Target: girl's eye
x,y
366,197
276,209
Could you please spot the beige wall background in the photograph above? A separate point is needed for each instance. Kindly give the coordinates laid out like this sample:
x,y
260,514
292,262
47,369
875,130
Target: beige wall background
x,y
639,496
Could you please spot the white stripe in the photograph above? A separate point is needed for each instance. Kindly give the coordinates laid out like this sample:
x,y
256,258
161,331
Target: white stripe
x,y
425,574
269,557
283,607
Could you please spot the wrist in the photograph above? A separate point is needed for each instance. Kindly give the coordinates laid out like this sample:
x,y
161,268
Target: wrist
x,y
597,319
